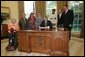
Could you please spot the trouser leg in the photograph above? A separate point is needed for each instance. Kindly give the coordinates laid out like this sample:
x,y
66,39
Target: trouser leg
x,y
68,29
10,38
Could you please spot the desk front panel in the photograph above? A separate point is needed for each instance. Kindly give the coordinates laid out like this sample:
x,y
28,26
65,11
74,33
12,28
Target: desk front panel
x,y
53,43
23,41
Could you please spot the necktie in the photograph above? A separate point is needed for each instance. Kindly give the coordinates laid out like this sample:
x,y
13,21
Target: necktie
x,y
65,12
45,23
24,20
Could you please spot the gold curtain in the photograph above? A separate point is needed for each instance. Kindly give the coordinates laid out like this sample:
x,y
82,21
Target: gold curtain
x,y
40,6
20,7
60,4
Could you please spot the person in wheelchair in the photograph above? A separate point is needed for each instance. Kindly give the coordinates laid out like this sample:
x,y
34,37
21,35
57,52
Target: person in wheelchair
x,y
12,30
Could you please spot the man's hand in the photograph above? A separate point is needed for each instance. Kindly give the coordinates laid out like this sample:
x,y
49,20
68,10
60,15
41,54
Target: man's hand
x,y
61,28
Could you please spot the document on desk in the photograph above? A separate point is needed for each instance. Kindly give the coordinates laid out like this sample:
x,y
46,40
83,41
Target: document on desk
x,y
44,27
29,30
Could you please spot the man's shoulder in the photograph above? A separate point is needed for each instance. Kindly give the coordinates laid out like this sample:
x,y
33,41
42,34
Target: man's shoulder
x,y
48,20
43,21
70,10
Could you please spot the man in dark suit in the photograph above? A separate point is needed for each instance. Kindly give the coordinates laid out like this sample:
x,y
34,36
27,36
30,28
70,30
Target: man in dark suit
x,y
67,18
46,23
23,22
59,23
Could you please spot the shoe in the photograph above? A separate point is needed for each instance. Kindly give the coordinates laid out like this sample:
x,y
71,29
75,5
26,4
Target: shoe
x,y
10,48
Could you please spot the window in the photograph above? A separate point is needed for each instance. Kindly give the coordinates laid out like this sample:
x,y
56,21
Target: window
x,y
28,7
77,7
49,6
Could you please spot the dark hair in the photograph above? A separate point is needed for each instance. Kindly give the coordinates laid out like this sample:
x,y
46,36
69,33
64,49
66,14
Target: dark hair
x,y
53,9
31,13
66,5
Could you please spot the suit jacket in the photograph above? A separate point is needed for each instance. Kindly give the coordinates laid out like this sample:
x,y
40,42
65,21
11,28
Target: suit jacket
x,y
48,24
38,22
68,18
60,21
23,24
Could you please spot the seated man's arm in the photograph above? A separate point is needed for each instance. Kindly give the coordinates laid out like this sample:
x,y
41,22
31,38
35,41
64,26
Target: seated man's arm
x,y
50,25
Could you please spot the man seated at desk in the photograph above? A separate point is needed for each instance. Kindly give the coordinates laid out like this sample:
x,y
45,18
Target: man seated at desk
x,y
46,24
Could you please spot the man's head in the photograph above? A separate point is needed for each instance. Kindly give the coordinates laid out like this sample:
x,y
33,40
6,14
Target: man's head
x,y
61,10
45,18
23,15
39,14
65,7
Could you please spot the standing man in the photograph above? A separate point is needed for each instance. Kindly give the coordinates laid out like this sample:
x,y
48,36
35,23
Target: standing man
x,y
23,22
59,23
38,21
68,17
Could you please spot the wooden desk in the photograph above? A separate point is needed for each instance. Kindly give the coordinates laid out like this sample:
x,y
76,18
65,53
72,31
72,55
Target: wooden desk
x,y
55,43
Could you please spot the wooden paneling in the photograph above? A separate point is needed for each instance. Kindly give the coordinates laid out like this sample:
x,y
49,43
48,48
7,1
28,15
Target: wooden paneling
x,y
59,44
60,4
20,7
40,43
40,6
49,42
23,41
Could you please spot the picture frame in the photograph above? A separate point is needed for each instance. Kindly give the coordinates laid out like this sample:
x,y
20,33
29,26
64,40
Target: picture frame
x,y
5,12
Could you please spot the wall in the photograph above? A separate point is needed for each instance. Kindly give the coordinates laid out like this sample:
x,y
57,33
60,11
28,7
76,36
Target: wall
x,y
16,7
82,22
60,4
40,6
20,7
13,5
